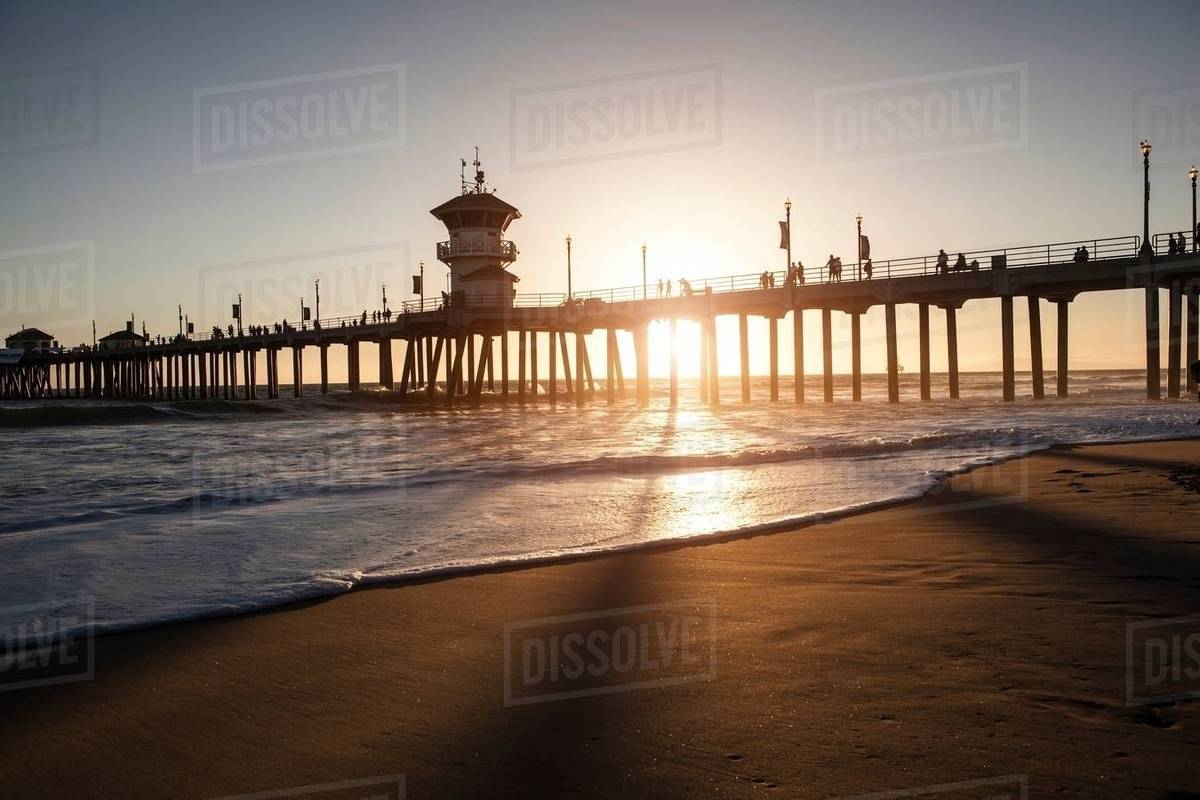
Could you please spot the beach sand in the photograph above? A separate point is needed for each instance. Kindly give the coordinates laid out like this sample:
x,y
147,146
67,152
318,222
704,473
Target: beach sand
x,y
977,633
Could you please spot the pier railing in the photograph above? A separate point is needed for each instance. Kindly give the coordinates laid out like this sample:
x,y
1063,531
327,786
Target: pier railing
x,y
1162,243
1119,247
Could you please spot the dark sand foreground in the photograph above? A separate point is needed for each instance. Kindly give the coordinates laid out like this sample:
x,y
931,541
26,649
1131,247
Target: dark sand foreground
x,y
977,633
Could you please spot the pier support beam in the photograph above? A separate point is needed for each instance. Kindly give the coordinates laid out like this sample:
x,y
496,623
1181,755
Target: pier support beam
x,y
827,351
297,371
798,354
893,357
504,364
610,367
714,389
1153,345
533,364
521,365
1062,365
643,366
1193,333
856,357
923,341
324,369
1006,348
566,361
773,327
355,378
580,368
744,341
1035,347
703,362
952,350
455,369
552,378
386,379
674,367
1174,339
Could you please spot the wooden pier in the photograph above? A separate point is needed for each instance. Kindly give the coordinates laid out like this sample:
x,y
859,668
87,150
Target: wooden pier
x,y
455,352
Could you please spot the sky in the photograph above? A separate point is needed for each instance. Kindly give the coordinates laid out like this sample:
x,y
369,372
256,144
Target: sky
x,y
131,186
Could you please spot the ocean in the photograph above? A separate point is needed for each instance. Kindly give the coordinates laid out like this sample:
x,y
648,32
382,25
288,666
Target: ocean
x,y
149,513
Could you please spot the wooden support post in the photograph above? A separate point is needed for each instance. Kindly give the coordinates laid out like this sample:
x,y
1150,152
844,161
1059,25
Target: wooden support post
x,y
714,372
923,337
856,357
420,361
533,364
610,369
1193,333
583,366
1007,351
504,364
620,369
406,371
298,371
202,366
435,358
324,368
455,377
521,365
798,354
641,342
1061,368
386,379
566,360
1035,347
952,350
491,383
827,351
579,369
469,375
893,358
1174,338
674,367
552,378
703,362
1153,344
485,347
744,341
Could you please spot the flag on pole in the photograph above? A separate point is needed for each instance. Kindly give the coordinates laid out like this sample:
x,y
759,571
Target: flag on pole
x,y
191,327
307,313
864,247
784,235
237,311
416,284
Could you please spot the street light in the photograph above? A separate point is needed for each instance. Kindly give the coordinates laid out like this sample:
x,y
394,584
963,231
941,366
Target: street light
x,y
858,243
787,209
570,294
1192,174
643,271
1146,248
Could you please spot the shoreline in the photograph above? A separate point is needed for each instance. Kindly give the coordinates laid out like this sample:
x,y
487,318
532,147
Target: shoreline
x,y
977,632
451,572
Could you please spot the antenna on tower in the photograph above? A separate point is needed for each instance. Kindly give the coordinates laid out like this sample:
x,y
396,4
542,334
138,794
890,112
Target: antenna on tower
x,y
462,175
478,173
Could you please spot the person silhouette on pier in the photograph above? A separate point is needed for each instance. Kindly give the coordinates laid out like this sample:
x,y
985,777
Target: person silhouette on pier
x,y
668,287
943,262
660,288
960,263
868,269
1172,248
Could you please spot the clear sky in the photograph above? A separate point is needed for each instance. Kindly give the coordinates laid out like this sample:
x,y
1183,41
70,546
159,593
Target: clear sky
x,y
110,150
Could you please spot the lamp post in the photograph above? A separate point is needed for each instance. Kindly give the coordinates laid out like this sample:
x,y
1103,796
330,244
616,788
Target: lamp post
x,y
180,321
643,272
858,243
1146,248
1192,174
787,215
317,287
570,294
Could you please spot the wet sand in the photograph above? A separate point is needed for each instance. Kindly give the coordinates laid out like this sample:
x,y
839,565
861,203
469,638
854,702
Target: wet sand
x,y
974,634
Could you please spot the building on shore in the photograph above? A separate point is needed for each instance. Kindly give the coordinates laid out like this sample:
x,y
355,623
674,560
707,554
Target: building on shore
x,y
123,340
31,340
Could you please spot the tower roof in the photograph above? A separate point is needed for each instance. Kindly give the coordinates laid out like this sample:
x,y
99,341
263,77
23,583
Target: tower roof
x,y
472,201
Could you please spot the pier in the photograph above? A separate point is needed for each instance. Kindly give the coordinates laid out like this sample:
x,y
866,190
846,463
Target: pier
x,y
453,349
